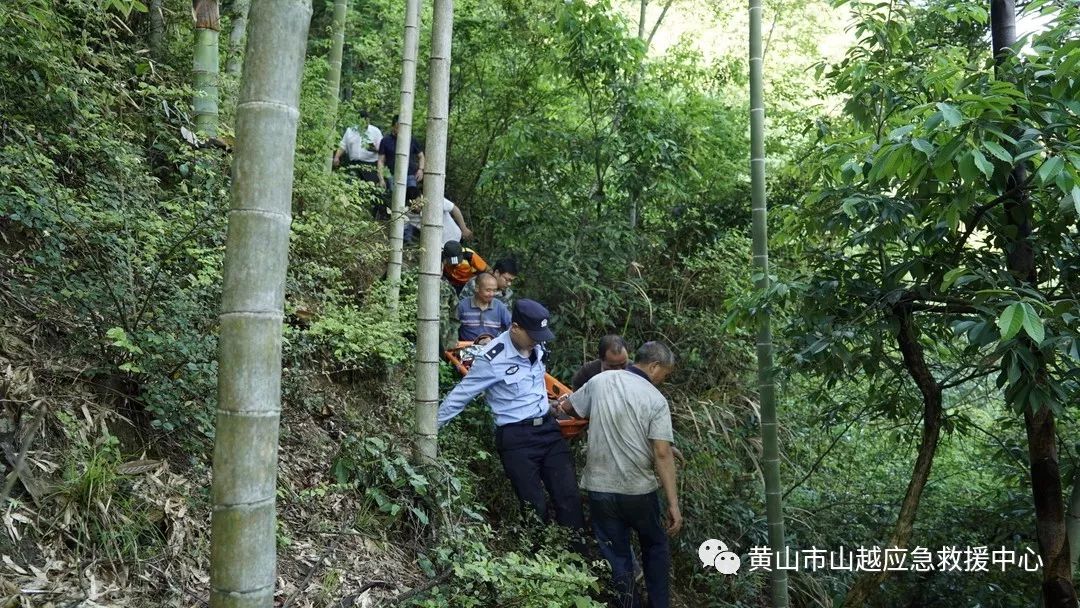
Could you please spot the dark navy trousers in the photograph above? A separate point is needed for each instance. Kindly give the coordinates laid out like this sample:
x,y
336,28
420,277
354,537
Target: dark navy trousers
x,y
535,458
614,517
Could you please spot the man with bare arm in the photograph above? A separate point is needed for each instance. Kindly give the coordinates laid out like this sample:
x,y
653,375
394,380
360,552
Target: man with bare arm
x,y
629,448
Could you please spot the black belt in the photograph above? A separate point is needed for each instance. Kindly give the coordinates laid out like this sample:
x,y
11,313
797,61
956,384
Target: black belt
x,y
538,421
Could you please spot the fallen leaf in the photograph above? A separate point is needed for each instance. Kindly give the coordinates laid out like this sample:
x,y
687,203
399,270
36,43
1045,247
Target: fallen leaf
x,y
135,467
11,564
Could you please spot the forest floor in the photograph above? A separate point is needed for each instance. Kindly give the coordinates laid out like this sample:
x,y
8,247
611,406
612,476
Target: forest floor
x,y
118,516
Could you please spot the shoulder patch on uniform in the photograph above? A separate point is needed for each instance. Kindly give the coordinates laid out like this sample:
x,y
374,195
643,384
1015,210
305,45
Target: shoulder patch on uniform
x,y
494,351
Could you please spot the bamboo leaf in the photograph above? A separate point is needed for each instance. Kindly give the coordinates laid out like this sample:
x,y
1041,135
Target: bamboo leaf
x,y
1010,321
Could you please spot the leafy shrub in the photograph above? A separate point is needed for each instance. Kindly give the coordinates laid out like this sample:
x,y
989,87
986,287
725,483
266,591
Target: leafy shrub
x,y
526,577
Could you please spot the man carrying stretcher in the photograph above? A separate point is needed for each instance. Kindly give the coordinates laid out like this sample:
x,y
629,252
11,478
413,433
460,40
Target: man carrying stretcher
x,y
535,456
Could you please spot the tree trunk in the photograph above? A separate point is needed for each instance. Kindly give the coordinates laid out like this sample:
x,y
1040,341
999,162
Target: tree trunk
x,y
766,372
157,29
333,77
205,68
401,158
641,19
1020,254
915,363
1073,523
237,36
1057,588
243,529
427,342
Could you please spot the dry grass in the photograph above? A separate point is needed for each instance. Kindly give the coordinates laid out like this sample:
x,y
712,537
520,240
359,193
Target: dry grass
x,y
116,527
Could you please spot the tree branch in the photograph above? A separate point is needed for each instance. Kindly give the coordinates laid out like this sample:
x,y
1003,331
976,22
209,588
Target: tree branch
x,y
982,373
438,580
981,211
656,26
821,457
944,308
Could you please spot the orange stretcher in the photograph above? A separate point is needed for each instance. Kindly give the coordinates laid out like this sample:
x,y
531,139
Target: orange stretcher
x,y
570,427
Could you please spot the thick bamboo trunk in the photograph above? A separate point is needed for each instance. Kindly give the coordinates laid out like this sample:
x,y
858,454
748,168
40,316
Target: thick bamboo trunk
x,y
427,343
915,363
333,76
401,158
237,36
766,373
243,529
205,67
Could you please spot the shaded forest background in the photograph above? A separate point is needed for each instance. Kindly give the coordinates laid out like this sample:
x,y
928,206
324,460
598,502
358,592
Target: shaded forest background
x,y
887,164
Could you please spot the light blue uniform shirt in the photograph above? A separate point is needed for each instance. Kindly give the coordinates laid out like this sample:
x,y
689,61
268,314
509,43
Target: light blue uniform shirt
x,y
514,386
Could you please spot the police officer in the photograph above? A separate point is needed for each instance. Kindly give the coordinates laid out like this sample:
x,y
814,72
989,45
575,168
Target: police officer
x,y
534,455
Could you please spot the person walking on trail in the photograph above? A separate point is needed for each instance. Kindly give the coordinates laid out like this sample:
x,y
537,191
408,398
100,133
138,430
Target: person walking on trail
x,y
453,222
481,314
358,151
534,455
629,448
359,147
460,264
505,271
613,355
387,149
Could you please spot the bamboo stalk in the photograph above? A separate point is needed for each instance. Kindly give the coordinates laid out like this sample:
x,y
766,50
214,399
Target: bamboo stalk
x,y
333,76
401,155
766,373
205,67
427,342
243,551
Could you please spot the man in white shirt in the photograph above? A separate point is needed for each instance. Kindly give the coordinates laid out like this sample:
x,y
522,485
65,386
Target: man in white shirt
x,y
359,147
454,228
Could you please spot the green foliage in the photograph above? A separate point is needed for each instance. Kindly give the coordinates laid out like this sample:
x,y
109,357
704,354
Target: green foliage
x,y
386,478
116,225
525,577
561,123
361,337
124,7
910,212
488,569
908,218
103,516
